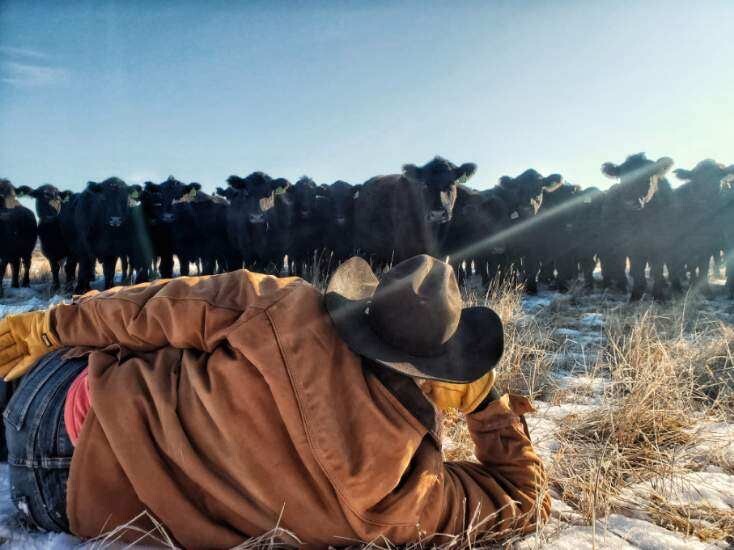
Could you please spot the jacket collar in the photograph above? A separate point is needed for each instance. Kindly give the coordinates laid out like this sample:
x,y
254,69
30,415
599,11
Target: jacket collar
x,y
405,390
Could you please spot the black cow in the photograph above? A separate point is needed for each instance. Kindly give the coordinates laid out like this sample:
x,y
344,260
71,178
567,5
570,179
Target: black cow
x,y
559,264
402,215
50,206
568,235
335,205
18,235
634,215
477,233
208,214
106,228
523,197
169,235
257,223
306,223
699,221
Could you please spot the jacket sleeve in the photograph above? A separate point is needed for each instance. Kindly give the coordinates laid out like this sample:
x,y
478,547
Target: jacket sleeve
x,y
506,492
187,313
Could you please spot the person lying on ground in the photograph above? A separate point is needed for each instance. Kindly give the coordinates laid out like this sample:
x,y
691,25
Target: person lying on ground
x,y
223,406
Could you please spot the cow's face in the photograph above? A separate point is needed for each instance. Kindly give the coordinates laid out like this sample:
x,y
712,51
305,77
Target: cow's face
x,y
159,200
304,194
229,193
7,195
709,176
340,197
439,180
254,195
639,177
48,200
527,192
114,198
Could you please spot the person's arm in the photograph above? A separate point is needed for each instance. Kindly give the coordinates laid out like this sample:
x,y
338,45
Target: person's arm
x,y
506,491
188,312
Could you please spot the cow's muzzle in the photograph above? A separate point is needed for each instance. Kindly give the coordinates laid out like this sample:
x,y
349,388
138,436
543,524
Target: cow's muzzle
x,y
437,216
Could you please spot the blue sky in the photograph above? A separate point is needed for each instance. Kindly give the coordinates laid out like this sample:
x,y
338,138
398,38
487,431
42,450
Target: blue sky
x,y
348,90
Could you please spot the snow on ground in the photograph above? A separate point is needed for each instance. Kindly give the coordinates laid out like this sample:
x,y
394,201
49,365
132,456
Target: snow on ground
x,y
579,337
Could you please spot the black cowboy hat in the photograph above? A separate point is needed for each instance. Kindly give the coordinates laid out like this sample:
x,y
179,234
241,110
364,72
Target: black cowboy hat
x,y
412,320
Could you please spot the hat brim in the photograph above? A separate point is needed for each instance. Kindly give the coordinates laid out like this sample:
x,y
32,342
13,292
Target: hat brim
x,y
474,349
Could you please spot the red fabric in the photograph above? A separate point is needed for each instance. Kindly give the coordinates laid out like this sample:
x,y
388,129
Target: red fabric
x,y
78,403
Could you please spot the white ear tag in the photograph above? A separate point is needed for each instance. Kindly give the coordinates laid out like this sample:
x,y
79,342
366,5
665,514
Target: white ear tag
x,y
514,215
587,200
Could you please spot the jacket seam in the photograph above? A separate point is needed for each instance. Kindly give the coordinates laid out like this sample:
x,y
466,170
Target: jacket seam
x,y
311,443
172,299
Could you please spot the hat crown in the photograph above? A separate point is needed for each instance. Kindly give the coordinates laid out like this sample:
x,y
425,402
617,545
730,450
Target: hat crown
x,y
417,306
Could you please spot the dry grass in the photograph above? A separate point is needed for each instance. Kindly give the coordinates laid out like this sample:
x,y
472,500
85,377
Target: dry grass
x,y
667,368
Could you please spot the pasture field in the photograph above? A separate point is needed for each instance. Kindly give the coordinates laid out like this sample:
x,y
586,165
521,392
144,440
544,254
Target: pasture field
x,y
634,418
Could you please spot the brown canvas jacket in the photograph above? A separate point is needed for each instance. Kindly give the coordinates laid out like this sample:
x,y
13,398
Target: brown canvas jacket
x,y
223,405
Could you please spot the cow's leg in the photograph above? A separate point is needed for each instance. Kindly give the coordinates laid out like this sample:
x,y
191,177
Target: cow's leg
x,y
15,272
166,266
588,263
567,268
547,273
675,272
530,273
637,272
460,274
658,285
184,265
613,271
703,276
718,263
3,269
27,271
108,268
70,273
729,255
86,272
127,271
55,268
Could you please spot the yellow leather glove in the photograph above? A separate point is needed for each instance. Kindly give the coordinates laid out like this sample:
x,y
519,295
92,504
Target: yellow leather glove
x,y
25,338
465,397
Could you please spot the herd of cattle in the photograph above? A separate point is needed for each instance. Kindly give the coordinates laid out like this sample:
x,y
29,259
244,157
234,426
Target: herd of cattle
x,y
547,230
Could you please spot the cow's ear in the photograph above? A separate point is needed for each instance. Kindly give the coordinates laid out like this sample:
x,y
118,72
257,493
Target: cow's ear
x,y
280,185
134,191
94,187
65,195
465,171
189,191
665,163
610,170
221,192
682,174
151,187
552,182
24,191
236,182
413,172
504,181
